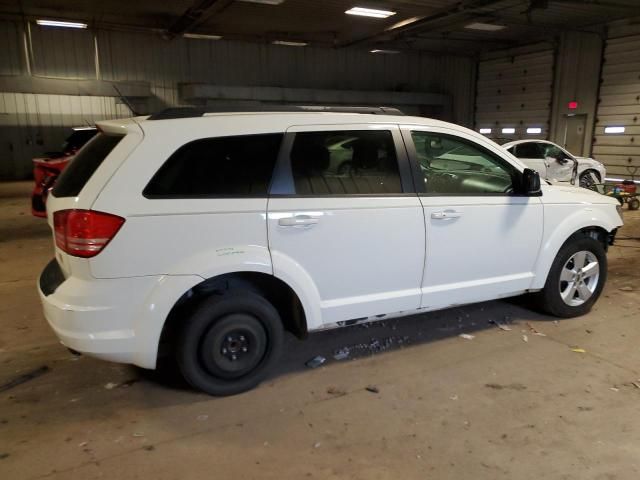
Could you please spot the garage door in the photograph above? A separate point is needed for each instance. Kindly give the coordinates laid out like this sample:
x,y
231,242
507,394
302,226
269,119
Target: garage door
x,y
514,96
617,134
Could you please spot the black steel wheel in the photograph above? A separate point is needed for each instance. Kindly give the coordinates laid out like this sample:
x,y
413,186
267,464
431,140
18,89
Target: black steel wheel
x,y
229,343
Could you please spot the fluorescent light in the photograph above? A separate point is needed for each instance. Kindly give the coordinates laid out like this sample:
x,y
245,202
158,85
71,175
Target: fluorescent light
x,y
403,23
290,44
264,2
485,131
202,36
485,27
509,130
56,23
384,51
613,129
534,130
369,12
619,180
82,128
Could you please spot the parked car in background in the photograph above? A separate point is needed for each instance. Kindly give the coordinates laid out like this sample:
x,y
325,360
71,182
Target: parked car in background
x,y
555,163
47,169
207,235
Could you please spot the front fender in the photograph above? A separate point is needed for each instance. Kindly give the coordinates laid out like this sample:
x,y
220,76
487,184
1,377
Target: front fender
x,y
562,221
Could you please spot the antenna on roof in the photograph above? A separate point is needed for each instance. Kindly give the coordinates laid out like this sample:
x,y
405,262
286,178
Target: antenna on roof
x,y
124,100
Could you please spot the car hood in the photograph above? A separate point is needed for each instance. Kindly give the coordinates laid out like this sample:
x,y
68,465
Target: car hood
x,y
567,193
588,161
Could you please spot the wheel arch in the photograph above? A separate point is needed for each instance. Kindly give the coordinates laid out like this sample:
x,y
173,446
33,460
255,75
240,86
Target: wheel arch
x,y
280,294
553,246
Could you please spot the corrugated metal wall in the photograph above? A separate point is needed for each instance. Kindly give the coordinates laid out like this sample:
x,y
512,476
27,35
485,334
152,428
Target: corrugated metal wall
x,y
515,91
619,106
165,64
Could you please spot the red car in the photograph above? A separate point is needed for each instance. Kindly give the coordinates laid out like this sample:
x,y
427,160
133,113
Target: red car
x,y
47,169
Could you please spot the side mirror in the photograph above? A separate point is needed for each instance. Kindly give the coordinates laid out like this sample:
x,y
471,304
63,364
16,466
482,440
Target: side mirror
x,y
531,183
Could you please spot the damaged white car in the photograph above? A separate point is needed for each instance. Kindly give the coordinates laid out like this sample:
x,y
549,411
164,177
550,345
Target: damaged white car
x,y
553,162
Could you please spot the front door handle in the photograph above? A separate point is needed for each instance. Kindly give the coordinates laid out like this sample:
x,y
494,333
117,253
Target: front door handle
x,y
446,215
299,221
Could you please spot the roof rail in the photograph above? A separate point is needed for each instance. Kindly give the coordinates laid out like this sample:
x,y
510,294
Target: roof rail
x,y
189,112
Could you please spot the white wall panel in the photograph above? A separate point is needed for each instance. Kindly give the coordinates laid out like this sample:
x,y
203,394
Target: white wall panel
x,y
126,56
619,105
515,90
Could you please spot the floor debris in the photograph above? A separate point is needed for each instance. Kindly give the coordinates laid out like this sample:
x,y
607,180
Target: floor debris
x,y
342,353
110,386
510,386
453,397
525,339
338,392
466,336
578,350
315,362
626,289
535,331
372,389
501,326
24,378
202,418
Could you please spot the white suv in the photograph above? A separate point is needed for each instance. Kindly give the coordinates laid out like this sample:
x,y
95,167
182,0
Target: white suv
x,y
215,232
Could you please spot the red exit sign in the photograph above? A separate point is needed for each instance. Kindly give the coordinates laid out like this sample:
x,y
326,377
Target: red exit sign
x,y
573,105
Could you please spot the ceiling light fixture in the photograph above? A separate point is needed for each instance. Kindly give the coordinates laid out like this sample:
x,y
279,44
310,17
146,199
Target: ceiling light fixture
x,y
613,129
202,36
379,50
290,44
485,131
60,24
404,23
534,130
485,27
369,12
509,130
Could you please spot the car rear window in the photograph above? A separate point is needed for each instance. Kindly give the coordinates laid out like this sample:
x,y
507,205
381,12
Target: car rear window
x,y
237,166
84,164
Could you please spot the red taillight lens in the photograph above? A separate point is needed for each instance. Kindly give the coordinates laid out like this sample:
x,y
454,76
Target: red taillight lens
x,y
84,233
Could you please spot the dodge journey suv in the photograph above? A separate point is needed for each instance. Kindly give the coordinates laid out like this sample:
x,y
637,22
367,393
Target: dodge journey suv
x,y
210,234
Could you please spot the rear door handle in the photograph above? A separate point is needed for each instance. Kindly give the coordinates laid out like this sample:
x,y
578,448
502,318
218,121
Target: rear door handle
x,y
446,215
299,221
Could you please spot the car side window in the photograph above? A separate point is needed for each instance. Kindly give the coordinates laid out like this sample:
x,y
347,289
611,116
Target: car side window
x,y
552,151
529,150
221,166
454,166
349,162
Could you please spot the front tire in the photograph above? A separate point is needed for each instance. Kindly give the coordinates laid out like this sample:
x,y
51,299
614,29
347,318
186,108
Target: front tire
x,y
576,278
589,179
229,343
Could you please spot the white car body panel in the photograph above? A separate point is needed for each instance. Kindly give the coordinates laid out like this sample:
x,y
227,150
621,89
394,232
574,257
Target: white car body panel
x,y
366,256
552,170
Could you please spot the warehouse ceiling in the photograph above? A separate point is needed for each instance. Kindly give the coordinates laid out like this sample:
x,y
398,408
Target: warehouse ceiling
x,y
433,25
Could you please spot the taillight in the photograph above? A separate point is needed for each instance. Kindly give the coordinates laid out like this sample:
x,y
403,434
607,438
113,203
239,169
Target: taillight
x,y
84,233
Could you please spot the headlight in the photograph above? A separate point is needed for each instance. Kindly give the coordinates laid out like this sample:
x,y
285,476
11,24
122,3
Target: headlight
x,y
619,210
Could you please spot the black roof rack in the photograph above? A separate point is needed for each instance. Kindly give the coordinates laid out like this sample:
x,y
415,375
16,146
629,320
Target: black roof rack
x,y
189,112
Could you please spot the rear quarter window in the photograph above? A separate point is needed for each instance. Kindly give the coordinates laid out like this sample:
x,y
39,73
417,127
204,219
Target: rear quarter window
x,y
76,175
232,166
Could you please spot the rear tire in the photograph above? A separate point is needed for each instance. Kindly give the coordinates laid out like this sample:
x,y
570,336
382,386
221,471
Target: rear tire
x,y
229,343
634,204
576,278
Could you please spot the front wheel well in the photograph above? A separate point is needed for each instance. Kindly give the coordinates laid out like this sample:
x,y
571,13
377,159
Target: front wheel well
x,y
277,292
597,233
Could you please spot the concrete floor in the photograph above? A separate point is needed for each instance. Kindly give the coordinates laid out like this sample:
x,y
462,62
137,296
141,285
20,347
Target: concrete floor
x,y
495,407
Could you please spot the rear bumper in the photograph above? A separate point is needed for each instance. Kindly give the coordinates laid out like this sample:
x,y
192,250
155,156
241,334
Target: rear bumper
x,y
118,320
96,317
